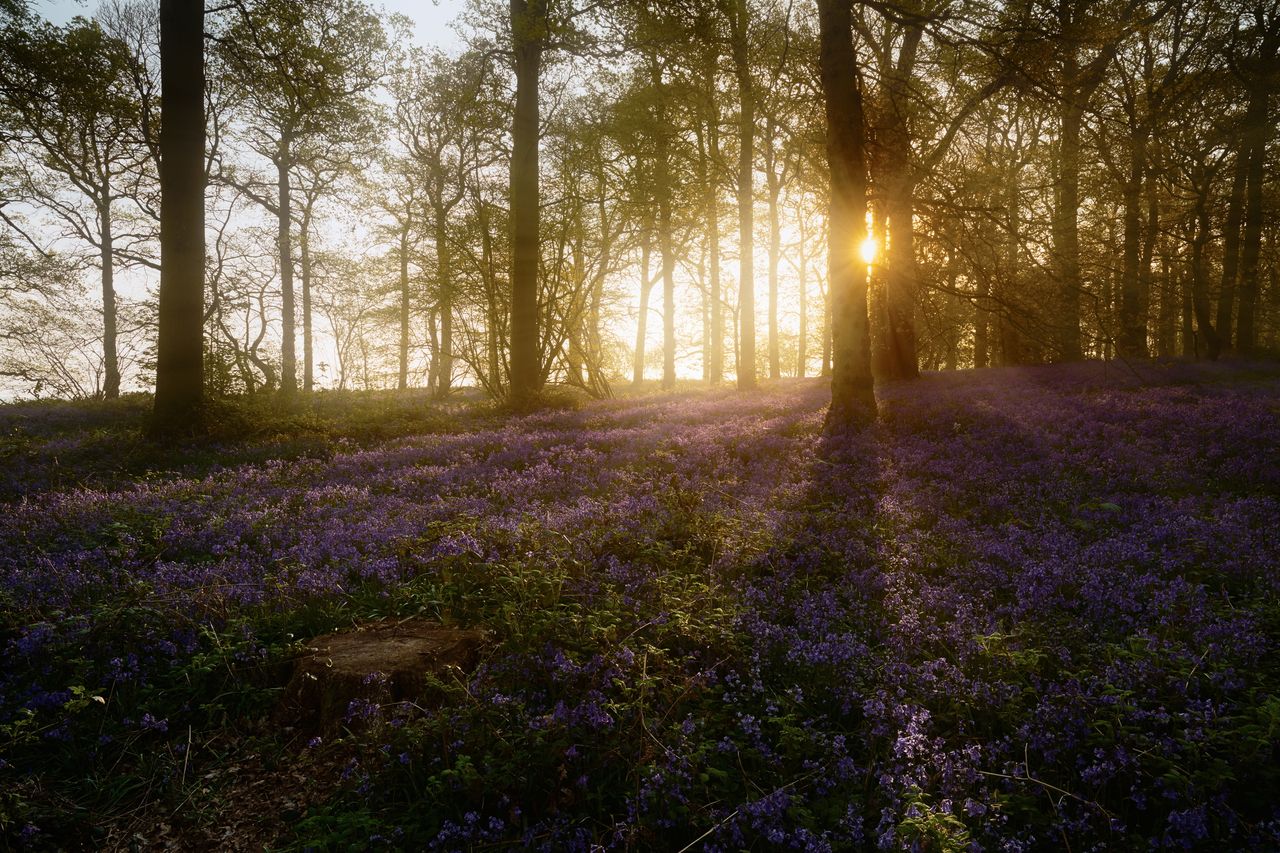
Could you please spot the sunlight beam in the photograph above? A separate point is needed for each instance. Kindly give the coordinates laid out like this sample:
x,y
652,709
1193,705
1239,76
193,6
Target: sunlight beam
x,y
868,250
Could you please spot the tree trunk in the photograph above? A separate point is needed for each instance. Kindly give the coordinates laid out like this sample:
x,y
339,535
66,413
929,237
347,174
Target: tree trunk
x,y
738,23
110,360
642,322
802,273
1258,130
710,203
1200,272
1166,336
444,285
433,361
1066,227
775,249
852,391
1149,245
900,280
1133,323
304,273
493,339
402,380
288,356
180,343
899,359
1231,248
528,31
663,190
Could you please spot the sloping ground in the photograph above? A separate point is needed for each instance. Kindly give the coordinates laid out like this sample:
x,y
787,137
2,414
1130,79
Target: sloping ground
x,y
1028,608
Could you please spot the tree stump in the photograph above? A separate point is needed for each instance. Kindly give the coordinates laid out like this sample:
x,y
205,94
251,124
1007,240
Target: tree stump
x,y
345,678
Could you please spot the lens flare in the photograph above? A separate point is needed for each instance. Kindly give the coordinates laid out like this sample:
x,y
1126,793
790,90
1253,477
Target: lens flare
x,y
868,250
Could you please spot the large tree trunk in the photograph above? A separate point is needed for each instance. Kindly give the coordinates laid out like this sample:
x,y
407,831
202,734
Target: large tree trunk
x,y
110,359
852,391
900,360
528,31
288,356
738,24
402,380
1258,130
180,344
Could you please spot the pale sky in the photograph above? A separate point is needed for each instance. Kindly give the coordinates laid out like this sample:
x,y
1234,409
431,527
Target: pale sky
x,y
433,17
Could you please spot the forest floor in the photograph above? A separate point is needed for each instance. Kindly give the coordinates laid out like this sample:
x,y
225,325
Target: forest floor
x,y
1032,608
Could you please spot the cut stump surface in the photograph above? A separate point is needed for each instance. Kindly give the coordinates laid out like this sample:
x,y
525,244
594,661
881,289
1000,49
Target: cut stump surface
x,y
379,663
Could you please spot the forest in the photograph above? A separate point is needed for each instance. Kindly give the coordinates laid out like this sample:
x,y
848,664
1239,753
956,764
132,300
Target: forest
x,y
640,424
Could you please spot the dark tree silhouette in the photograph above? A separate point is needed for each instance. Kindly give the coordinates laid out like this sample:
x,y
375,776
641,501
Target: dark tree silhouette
x,y
180,346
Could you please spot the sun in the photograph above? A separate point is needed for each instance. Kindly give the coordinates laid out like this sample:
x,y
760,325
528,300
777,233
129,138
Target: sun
x,y
868,250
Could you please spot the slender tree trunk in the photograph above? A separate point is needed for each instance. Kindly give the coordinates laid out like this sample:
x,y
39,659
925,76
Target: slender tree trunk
x,y
1258,130
1149,246
493,339
982,324
180,343
852,391
304,273
288,356
738,21
433,363
663,189
110,359
710,203
1167,332
444,284
1133,323
705,311
402,380
1185,284
642,322
1231,248
775,249
1200,272
1066,227
528,31
802,273
826,332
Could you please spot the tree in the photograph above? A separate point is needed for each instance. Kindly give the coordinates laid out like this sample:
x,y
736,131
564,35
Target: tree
x,y
305,71
180,346
852,390
444,117
1256,59
78,141
739,18
530,30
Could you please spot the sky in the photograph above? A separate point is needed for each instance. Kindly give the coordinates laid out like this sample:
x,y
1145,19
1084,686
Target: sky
x,y
433,17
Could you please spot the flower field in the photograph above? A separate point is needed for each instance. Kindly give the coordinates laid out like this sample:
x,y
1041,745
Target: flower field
x,y
1028,609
